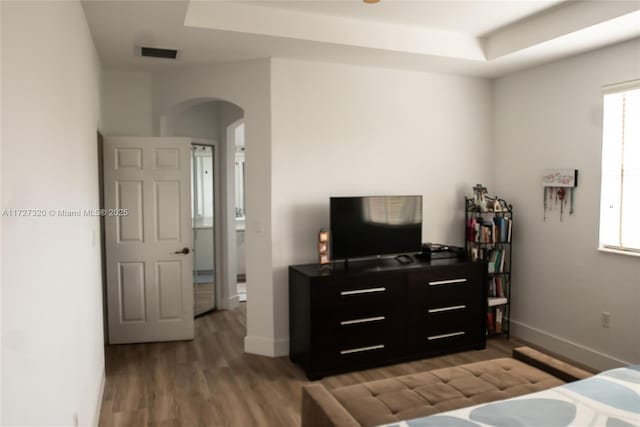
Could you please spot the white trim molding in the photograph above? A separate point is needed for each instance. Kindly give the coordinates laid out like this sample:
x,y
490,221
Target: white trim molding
x,y
96,414
266,346
578,352
619,251
621,86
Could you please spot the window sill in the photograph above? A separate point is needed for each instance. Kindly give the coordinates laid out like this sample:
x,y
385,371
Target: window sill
x,y
620,252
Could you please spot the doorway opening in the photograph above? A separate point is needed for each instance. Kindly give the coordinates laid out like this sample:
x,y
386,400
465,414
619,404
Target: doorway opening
x,y
218,124
203,222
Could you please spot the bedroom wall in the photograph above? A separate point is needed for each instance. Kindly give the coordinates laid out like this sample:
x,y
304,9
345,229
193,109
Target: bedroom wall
x,y
199,121
229,114
52,338
342,130
551,117
126,103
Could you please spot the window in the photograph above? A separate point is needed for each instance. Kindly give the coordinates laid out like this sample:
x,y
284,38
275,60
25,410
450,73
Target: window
x,y
620,191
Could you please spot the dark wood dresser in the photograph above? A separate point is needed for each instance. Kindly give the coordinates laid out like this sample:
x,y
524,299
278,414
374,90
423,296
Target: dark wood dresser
x,y
379,312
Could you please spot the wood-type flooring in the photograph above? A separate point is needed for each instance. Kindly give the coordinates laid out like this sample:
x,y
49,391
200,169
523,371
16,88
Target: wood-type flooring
x,y
210,381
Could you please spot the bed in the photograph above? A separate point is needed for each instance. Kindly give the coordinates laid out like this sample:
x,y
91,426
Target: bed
x,y
611,399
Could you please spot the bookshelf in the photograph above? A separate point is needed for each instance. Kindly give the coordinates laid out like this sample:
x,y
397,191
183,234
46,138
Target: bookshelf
x,y
488,235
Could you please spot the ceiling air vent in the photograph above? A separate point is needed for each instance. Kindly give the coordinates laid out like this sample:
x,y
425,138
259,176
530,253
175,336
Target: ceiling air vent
x,y
154,52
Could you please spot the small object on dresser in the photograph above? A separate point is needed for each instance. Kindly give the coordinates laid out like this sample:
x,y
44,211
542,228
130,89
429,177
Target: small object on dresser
x,y
323,247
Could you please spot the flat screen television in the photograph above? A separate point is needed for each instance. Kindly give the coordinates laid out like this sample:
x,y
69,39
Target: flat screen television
x,y
375,225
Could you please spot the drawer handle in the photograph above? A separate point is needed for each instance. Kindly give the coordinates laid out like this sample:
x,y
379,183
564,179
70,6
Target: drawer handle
x,y
453,307
362,291
439,337
364,320
447,282
361,349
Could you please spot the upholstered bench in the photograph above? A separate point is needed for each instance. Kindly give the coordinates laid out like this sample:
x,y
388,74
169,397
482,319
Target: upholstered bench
x,y
418,395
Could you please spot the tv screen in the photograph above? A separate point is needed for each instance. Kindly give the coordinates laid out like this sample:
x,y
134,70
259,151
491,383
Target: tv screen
x,y
375,225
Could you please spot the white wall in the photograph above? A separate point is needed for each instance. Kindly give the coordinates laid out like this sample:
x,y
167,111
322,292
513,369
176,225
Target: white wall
x,y
247,85
200,121
347,130
126,103
551,117
1,33
229,116
52,339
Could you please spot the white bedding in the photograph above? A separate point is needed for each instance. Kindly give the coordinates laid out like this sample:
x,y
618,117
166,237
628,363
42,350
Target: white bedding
x,y
609,399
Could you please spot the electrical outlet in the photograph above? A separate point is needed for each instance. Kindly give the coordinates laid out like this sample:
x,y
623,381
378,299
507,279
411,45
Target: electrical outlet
x,y
605,319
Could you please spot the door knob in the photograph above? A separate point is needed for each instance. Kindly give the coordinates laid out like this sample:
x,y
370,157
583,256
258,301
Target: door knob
x,y
184,251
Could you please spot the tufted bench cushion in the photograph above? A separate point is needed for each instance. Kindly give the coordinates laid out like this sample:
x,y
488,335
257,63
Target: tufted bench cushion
x,y
419,395
426,393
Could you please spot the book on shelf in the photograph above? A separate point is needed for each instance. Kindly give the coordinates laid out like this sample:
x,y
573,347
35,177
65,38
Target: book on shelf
x,y
471,234
499,222
496,287
494,301
502,229
499,288
486,232
496,260
482,230
491,265
498,320
490,322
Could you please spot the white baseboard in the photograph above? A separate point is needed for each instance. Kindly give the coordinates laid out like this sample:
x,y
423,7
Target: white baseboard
x,y
266,346
574,351
233,302
228,303
96,415
281,347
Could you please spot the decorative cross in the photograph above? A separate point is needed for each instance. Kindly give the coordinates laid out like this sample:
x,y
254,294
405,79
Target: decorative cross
x,y
479,192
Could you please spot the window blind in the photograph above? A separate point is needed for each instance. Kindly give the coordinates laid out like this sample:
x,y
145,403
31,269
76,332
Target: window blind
x,y
620,182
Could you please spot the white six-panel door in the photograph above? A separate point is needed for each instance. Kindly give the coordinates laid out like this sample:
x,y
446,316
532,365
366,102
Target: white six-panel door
x,y
149,278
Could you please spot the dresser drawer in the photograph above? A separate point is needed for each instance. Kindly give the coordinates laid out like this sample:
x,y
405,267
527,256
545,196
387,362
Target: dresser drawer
x,y
361,321
446,286
360,344
431,331
422,317
350,292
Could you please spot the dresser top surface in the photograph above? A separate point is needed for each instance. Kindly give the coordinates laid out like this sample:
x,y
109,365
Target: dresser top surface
x,y
340,269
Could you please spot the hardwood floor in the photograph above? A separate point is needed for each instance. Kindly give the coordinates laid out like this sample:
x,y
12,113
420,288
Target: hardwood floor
x,y
204,297
210,381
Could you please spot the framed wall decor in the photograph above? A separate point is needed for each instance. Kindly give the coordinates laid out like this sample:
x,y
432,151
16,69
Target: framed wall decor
x,y
557,183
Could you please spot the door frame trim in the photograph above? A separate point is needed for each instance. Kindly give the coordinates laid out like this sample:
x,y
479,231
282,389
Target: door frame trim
x,y
219,278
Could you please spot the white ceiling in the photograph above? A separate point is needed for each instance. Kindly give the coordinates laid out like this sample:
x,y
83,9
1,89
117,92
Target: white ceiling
x,y
473,18
484,38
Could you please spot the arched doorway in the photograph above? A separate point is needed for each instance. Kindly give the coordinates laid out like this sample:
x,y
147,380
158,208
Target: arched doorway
x,y
247,85
214,123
